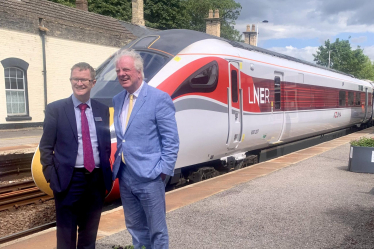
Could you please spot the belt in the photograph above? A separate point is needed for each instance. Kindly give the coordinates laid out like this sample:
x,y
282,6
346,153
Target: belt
x,y
84,170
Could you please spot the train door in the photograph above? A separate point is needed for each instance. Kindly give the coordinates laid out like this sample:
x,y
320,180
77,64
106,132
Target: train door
x,y
366,103
277,115
235,106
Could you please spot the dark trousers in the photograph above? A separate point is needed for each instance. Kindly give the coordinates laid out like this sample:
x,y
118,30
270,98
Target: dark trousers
x,y
80,205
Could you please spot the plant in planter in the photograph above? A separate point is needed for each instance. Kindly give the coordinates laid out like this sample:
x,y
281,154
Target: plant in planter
x,y
361,156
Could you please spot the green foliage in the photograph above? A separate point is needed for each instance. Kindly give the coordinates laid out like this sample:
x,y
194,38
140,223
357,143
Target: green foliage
x,y
165,14
344,59
363,142
119,9
172,14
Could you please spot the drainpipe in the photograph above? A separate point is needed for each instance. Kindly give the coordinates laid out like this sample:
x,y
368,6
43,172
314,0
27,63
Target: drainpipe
x,y
42,32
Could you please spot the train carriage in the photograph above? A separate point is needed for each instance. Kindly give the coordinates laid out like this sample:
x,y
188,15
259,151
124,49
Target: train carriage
x,y
231,98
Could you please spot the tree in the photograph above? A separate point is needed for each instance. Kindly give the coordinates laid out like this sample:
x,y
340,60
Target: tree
x,y
171,14
344,59
165,14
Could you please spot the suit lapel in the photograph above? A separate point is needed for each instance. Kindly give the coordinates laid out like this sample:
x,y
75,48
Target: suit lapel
x,y
118,110
96,113
138,104
69,110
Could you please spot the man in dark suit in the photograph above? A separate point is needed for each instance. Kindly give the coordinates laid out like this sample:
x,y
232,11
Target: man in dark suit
x,y
147,148
74,152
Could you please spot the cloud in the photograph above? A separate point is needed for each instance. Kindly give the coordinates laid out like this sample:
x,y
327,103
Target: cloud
x,y
359,39
307,19
369,51
300,53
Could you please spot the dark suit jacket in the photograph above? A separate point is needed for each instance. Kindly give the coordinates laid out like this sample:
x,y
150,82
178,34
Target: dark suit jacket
x,y
59,143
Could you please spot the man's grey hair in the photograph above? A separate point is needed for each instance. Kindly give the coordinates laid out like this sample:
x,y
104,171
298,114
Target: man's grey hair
x,y
84,66
138,60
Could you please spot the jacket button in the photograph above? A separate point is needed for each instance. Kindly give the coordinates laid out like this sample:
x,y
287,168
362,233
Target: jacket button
x,y
123,141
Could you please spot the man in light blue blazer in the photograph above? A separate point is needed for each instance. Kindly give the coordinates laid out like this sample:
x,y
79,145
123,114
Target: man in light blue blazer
x,y
147,148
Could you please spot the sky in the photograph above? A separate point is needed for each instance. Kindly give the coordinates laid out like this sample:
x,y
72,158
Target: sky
x,y
298,27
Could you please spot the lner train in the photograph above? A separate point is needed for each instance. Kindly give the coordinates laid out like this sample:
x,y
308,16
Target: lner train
x,y
231,98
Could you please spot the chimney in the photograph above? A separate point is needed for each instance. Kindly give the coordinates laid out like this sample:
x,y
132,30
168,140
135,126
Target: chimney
x,y
213,23
137,12
81,4
250,36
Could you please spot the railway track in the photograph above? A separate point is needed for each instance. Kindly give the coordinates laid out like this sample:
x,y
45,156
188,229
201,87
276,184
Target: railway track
x,y
19,194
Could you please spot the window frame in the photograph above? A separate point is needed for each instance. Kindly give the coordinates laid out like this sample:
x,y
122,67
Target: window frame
x,y
277,93
23,66
342,102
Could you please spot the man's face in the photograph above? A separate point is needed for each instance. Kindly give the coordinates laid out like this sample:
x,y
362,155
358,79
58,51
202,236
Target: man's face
x,y
81,83
128,76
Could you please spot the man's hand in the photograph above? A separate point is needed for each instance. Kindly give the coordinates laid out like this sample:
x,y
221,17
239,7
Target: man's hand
x,y
163,176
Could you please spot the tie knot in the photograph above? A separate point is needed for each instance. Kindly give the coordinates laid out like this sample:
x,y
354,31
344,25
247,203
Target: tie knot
x,y
131,96
83,107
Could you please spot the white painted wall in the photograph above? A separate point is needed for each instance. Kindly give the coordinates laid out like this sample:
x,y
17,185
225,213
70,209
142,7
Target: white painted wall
x,y
61,56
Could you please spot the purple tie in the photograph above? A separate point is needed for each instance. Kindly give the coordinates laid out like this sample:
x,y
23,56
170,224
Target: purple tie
x,y
88,159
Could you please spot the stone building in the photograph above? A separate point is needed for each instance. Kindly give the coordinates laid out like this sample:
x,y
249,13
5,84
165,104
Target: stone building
x,y
40,41
213,23
250,36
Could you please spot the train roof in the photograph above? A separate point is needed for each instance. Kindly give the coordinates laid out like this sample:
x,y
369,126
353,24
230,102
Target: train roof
x,y
173,41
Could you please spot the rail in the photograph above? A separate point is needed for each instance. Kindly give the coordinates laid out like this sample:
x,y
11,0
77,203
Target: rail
x,y
19,194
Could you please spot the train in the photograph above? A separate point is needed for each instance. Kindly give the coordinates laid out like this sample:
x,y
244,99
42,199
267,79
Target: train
x,y
232,98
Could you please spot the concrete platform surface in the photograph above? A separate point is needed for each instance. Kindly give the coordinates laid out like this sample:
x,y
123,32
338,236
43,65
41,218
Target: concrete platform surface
x,y
306,199
315,203
20,140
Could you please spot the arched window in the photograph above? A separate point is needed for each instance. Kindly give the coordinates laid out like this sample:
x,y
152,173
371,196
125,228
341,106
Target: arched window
x,y
15,74
15,91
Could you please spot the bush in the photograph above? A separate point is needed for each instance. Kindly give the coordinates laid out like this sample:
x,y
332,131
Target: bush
x,y
363,142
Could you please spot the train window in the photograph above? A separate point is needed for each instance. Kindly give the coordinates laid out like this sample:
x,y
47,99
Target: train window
x,y
206,76
351,98
107,83
341,98
358,98
205,80
234,86
277,93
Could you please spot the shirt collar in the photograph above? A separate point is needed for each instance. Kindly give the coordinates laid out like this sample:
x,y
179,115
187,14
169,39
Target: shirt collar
x,y
137,92
76,102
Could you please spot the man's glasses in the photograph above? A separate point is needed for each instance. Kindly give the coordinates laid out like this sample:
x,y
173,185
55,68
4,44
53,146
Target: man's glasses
x,y
76,80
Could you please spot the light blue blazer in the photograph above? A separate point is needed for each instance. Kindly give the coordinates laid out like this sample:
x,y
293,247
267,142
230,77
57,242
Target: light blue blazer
x,y
150,144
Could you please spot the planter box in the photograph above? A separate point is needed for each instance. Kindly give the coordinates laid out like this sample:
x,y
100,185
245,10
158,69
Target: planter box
x,y
361,159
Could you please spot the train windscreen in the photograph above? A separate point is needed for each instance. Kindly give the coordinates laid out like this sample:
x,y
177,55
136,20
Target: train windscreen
x,y
107,85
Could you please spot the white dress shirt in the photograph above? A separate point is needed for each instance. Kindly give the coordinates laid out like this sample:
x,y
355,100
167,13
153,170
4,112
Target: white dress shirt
x,y
125,106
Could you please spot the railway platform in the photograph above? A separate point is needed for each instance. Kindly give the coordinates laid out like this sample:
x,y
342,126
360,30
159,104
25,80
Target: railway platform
x,y
306,199
19,140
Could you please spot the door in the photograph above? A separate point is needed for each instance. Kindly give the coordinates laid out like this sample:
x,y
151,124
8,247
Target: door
x,y
366,103
235,106
277,114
